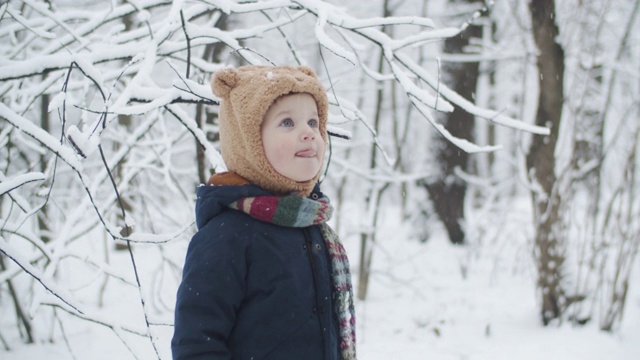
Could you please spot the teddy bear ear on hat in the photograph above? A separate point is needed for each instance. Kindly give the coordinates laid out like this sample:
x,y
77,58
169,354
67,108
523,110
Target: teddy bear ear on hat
x,y
307,70
224,81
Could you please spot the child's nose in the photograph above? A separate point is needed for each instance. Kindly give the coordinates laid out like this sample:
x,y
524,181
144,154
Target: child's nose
x,y
308,133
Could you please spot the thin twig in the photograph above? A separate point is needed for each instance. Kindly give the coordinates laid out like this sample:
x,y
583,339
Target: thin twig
x,y
186,35
31,271
64,334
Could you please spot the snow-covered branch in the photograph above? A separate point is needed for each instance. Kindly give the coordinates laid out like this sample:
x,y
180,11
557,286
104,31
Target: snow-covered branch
x,y
47,282
6,185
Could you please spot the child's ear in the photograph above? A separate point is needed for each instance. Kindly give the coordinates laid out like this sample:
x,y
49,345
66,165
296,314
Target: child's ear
x,y
224,81
307,70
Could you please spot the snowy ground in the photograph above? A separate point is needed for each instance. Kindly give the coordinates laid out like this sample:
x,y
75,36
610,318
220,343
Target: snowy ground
x,y
427,301
424,309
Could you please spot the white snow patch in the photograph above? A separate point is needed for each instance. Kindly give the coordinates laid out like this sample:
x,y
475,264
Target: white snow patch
x,y
84,144
57,101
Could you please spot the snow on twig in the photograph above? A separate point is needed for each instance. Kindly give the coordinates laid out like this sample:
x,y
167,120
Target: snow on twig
x,y
102,319
35,273
149,238
463,144
339,132
351,112
467,105
66,154
42,8
214,157
392,178
230,6
143,302
7,185
327,42
26,23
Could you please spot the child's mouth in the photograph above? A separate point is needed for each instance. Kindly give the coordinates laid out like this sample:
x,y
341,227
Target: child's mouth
x,y
306,153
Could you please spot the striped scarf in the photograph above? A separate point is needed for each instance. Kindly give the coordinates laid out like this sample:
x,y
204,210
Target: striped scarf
x,y
298,211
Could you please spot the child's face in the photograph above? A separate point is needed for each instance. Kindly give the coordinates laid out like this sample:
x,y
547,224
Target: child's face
x,y
291,137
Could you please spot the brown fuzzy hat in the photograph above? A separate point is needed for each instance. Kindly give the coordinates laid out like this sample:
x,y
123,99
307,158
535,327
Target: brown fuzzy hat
x,y
247,93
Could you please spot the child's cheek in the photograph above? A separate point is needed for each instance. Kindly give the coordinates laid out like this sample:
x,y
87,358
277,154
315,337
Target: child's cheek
x,y
278,153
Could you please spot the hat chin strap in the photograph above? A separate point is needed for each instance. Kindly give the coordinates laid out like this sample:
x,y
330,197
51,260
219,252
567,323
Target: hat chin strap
x,y
283,185
269,179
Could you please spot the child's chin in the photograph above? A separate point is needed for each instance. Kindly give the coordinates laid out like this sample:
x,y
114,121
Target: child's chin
x,y
303,176
302,179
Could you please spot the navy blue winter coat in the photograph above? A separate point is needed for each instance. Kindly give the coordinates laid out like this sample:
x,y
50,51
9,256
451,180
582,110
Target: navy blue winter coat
x,y
251,289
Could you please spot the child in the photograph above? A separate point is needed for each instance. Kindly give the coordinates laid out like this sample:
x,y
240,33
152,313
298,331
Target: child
x,y
264,276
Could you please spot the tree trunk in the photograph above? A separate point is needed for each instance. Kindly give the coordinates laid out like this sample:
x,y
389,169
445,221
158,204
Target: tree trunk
x,y
43,219
549,244
448,191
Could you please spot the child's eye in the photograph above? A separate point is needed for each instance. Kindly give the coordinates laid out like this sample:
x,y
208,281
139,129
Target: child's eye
x,y
286,123
313,123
